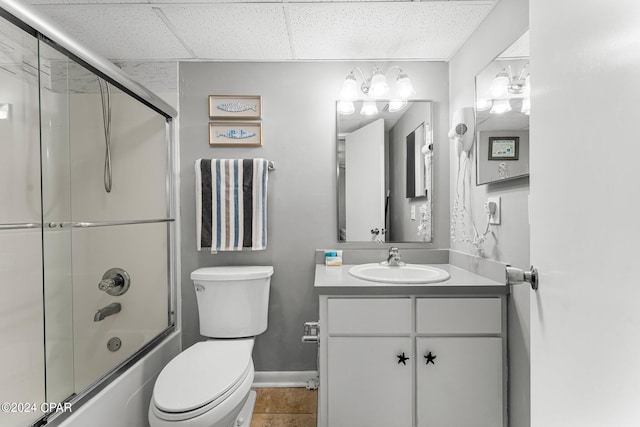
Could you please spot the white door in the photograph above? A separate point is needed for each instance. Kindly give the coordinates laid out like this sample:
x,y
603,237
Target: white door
x,y
364,182
585,205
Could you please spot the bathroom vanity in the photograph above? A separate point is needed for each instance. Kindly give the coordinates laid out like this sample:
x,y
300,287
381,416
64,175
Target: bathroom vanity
x,y
394,354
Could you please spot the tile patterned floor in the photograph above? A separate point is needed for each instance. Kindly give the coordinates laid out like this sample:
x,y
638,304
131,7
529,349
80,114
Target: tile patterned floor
x,y
285,407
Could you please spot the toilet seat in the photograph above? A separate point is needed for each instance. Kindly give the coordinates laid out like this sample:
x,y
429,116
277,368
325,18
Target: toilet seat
x,y
201,377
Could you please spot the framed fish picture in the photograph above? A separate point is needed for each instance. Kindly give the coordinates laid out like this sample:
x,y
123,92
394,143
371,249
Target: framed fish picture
x,y
247,107
235,133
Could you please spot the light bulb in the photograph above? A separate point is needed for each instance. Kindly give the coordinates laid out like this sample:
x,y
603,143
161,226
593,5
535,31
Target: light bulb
x,y
397,105
404,88
4,111
526,106
369,108
483,104
379,87
346,107
349,91
500,85
500,106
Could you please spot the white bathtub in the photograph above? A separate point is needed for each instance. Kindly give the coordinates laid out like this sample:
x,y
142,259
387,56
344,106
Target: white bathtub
x,y
125,402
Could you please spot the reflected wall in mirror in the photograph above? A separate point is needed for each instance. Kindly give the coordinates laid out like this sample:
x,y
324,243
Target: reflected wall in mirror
x,y
502,115
385,173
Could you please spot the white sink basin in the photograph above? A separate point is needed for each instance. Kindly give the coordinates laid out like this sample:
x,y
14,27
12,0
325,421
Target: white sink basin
x,y
408,273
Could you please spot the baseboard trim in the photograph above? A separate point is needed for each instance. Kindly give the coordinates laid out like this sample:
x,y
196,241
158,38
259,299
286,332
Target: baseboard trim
x,y
283,378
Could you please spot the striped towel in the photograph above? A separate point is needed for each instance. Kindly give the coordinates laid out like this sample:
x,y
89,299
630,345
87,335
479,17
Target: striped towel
x,y
231,204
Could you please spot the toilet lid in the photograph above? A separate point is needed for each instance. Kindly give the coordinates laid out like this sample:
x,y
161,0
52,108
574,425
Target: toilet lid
x,y
201,374
229,273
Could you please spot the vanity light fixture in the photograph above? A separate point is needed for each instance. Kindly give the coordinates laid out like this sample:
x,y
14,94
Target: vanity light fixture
x,y
375,87
504,87
506,84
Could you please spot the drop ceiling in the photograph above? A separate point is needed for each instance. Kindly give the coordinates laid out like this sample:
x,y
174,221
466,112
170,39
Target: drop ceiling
x,y
169,30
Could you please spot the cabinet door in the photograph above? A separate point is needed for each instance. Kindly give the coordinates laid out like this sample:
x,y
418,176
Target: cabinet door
x,y
459,382
367,387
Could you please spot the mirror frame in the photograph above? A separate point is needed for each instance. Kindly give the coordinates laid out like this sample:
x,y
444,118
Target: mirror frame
x,y
411,244
478,151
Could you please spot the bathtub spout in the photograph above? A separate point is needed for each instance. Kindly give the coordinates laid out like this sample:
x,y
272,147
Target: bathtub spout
x,y
107,311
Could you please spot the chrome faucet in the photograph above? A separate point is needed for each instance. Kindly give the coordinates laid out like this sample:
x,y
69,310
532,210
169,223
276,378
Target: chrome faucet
x,y
394,259
107,311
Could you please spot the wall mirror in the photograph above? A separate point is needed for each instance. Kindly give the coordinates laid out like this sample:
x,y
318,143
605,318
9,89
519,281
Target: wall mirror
x,y
384,166
502,115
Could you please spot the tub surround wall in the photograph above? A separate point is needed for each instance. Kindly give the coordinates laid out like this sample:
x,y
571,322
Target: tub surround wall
x,y
510,242
299,135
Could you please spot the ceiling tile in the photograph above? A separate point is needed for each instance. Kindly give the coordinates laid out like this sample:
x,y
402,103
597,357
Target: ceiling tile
x,y
400,30
519,48
118,31
86,2
232,32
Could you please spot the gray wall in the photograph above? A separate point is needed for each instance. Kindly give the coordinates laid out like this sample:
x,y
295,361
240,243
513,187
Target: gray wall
x,y
404,229
510,241
299,135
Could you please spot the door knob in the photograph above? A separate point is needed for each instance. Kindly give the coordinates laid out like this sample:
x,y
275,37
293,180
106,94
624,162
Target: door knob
x,y
402,359
430,358
516,276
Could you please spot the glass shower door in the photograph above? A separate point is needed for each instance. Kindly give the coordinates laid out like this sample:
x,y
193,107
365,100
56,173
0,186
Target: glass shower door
x,y
22,378
105,204
56,212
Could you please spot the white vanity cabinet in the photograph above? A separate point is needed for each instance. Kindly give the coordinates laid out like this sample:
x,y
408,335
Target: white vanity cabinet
x,y
402,361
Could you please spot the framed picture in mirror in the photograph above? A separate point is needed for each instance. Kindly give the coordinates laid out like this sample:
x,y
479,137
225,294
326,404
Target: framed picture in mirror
x,y
503,147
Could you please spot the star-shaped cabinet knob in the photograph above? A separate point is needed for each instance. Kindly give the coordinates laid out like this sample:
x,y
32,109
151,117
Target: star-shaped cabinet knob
x,y
430,358
402,359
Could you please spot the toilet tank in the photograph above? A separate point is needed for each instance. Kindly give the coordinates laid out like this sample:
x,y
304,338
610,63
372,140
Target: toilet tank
x,y
233,302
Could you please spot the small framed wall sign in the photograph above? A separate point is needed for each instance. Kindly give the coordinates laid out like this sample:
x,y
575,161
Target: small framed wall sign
x,y
235,133
247,107
503,147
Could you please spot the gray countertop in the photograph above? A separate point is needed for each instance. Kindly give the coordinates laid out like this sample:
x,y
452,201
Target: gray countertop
x,y
337,280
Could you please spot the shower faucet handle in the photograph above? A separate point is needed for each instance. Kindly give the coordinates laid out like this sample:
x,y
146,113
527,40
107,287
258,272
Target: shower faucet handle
x,y
115,282
107,284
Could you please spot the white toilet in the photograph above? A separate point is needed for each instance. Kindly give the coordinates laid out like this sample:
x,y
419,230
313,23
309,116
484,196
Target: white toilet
x,y
209,384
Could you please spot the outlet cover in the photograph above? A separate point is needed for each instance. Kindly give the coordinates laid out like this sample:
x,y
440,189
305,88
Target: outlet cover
x,y
495,218
413,212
